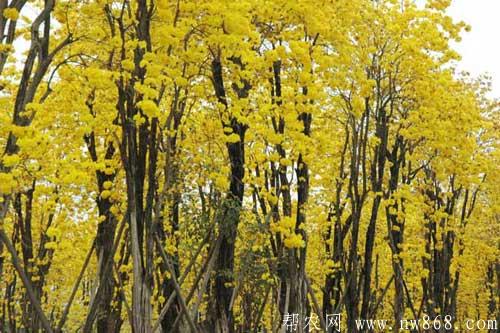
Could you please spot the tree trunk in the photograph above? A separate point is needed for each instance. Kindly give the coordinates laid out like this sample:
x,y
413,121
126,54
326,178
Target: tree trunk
x,y
229,219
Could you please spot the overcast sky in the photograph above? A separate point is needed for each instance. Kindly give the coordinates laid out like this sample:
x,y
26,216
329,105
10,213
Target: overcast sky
x,y
480,48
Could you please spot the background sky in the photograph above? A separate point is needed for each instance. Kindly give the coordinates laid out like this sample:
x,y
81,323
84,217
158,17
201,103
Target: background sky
x,y
480,48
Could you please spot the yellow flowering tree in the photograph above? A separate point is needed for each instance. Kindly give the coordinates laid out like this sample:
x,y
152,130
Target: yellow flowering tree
x,y
221,166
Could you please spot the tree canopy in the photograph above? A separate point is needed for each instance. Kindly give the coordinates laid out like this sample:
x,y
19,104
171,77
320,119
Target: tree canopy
x,y
218,166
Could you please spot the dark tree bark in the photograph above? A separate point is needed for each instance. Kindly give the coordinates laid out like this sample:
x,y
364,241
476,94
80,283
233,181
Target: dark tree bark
x,y
440,287
357,192
107,317
173,200
230,215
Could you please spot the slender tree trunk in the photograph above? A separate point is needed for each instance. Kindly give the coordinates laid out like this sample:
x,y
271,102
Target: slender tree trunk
x,y
297,257
173,201
230,216
106,315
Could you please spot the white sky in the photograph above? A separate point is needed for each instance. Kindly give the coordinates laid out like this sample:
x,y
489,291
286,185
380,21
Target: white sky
x,y
480,48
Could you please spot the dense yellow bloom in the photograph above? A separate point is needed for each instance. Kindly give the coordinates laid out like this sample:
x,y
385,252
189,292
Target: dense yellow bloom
x,y
325,138
11,13
149,108
294,241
